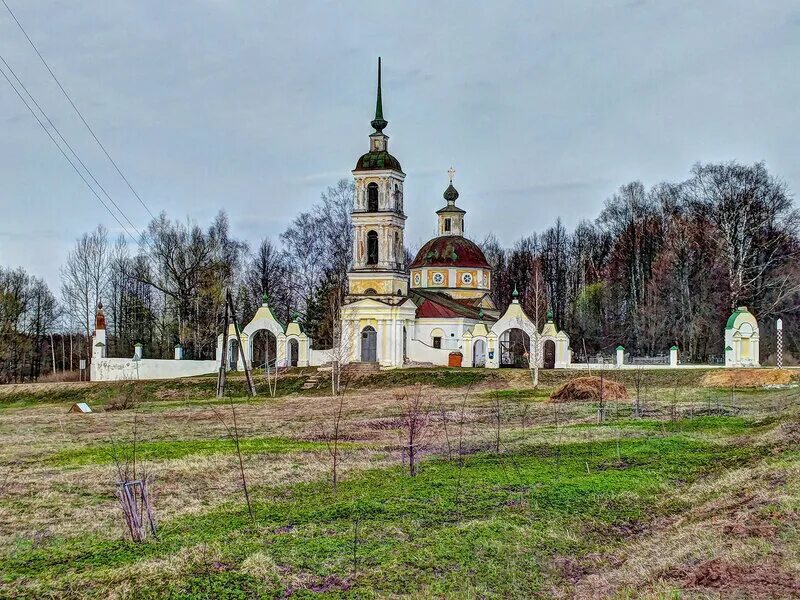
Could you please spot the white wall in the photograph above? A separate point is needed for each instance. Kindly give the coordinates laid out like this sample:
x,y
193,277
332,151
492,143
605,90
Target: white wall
x,y
319,357
453,329
126,369
419,352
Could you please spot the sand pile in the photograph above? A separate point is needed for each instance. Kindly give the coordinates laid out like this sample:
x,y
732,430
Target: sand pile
x,y
588,389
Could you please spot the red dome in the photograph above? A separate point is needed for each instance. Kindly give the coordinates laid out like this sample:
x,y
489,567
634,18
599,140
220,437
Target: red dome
x,y
450,251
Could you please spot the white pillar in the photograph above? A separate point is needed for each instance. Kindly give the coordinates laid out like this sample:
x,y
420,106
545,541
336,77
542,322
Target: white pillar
x,y
673,356
178,352
137,351
620,356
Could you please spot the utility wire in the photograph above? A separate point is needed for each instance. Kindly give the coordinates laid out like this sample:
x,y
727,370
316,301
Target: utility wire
x,y
67,144
64,154
69,99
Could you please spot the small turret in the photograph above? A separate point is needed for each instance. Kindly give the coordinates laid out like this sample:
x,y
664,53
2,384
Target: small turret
x,y
451,218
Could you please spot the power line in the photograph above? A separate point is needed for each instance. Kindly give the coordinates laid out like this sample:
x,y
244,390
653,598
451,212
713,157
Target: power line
x,y
67,144
64,154
69,99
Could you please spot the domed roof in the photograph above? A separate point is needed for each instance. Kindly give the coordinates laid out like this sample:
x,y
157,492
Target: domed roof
x,y
376,161
450,251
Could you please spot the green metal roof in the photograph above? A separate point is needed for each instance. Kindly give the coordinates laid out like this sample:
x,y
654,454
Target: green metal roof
x,y
376,160
732,319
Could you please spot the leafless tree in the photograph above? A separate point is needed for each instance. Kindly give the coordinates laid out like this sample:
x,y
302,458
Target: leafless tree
x,y
415,420
84,279
638,382
332,436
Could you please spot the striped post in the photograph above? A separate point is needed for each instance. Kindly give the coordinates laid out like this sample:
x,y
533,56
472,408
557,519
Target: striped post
x,y
779,347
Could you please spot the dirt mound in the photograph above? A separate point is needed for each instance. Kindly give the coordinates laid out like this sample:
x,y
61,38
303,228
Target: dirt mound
x,y
587,389
746,377
763,580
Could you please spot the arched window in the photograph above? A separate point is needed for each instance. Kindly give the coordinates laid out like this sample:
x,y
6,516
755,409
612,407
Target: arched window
x,y
372,248
372,197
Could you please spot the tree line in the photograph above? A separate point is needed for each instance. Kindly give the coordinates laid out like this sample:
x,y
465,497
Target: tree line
x,y
657,267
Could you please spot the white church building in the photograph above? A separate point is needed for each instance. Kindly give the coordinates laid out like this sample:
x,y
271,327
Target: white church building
x,y
437,310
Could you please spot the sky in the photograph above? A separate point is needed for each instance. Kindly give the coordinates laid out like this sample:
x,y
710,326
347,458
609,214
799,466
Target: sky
x,y
543,108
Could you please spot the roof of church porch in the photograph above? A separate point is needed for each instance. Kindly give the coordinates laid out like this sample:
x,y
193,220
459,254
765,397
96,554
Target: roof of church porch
x,y
438,305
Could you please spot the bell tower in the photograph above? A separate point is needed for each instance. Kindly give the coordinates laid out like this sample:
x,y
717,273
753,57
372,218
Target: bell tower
x,y
378,219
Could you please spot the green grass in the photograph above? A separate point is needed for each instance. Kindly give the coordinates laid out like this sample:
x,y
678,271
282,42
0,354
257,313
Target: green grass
x,y
176,449
719,424
201,390
518,394
427,535
441,377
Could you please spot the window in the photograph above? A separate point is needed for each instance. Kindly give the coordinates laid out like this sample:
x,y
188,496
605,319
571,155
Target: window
x,y
372,197
437,342
447,224
372,248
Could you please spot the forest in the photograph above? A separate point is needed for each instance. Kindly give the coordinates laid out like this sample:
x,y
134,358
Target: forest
x,y
657,267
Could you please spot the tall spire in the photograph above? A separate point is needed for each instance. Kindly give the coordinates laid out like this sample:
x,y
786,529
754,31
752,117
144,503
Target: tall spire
x,y
379,123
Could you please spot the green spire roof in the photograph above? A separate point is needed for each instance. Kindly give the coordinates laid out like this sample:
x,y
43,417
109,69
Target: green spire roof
x,y
515,293
379,123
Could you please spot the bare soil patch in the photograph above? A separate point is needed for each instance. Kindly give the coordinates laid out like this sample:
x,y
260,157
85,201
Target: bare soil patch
x,y
762,580
746,377
588,389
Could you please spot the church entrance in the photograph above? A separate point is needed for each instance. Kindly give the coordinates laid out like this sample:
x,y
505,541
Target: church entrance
x,y
264,347
479,354
369,344
514,349
294,351
233,355
549,355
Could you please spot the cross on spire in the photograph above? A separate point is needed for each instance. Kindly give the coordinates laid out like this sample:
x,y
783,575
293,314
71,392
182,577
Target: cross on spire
x,y
451,173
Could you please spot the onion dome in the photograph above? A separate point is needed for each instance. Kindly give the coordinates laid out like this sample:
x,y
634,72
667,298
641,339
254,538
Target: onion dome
x,y
450,251
451,193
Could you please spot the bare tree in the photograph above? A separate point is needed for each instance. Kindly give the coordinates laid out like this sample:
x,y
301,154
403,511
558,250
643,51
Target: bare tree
x,y
415,420
638,382
332,437
84,279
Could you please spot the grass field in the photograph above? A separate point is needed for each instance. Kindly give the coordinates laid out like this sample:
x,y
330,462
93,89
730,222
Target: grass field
x,y
516,497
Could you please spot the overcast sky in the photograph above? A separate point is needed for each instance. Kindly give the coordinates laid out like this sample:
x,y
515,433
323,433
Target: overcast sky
x,y
255,107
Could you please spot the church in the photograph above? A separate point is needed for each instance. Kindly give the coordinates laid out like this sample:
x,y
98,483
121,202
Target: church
x,y
436,311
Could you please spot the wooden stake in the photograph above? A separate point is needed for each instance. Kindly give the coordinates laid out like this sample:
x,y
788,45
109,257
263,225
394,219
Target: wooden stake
x,y
223,355
251,386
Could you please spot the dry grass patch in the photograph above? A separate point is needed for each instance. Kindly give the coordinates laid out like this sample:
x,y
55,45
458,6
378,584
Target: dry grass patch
x,y
589,389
